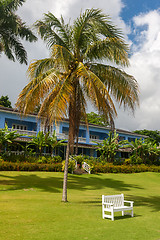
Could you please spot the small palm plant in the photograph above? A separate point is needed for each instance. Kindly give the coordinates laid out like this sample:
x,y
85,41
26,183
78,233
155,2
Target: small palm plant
x,y
40,141
109,147
7,137
53,142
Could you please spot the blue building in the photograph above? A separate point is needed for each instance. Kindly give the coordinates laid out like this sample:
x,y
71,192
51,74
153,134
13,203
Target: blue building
x,y
30,125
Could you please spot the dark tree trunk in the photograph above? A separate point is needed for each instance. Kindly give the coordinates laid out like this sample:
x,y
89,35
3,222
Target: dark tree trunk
x,y
64,196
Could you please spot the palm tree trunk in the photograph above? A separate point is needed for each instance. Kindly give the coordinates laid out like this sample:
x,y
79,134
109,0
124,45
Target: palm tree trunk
x,y
64,196
76,151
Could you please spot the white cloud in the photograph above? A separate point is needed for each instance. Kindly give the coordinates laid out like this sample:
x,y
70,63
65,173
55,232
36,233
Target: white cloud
x,y
145,62
145,67
13,75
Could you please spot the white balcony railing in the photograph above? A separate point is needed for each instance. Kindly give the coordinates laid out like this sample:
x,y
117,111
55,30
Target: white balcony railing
x,y
24,132
65,136
95,140
62,136
82,139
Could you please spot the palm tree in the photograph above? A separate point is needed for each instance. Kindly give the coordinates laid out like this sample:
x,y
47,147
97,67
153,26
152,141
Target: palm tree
x,y
12,29
73,74
53,142
40,141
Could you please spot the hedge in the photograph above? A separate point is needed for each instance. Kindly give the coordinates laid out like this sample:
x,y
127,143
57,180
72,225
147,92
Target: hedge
x,y
110,168
9,166
96,168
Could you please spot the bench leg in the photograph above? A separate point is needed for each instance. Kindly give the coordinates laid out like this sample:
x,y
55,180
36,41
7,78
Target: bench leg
x,y
112,216
132,213
122,213
103,212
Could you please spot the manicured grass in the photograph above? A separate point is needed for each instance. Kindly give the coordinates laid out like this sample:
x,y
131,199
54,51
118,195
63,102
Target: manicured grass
x,y
31,207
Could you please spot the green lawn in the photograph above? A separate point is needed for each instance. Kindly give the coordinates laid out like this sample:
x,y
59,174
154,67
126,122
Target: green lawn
x,y
31,207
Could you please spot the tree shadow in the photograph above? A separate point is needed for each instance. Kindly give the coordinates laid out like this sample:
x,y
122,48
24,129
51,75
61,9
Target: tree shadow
x,y
32,181
152,202
54,184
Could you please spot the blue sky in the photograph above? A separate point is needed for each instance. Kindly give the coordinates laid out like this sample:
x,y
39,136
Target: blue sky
x,y
140,23
135,7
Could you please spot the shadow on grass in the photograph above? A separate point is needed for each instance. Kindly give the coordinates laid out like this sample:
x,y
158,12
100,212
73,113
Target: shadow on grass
x,y
151,202
54,184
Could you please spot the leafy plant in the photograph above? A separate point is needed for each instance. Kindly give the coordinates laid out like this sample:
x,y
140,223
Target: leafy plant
x,y
40,141
53,142
7,137
109,146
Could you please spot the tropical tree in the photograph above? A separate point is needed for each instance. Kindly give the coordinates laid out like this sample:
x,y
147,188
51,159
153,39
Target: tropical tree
x,y
12,29
109,147
40,141
98,119
144,151
53,142
73,73
4,101
7,137
153,136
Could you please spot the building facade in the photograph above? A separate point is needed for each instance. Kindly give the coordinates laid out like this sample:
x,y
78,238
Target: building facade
x,y
30,125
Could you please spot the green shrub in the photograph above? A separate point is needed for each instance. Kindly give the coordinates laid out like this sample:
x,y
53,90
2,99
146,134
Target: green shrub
x,y
128,161
110,168
136,159
71,165
9,166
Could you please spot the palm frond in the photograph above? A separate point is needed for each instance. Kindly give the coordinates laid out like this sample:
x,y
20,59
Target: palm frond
x,y
96,91
36,90
11,5
121,85
112,49
53,31
62,57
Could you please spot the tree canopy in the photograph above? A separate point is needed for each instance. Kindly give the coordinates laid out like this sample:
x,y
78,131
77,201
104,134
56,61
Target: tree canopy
x,y
12,30
4,101
97,119
153,136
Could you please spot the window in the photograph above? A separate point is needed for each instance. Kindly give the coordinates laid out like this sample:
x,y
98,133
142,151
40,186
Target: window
x,y
94,136
21,127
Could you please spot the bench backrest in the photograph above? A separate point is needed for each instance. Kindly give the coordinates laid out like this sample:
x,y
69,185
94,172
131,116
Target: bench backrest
x,y
116,200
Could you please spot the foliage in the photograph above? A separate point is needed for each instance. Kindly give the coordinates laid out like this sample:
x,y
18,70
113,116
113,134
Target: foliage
x,y
97,119
7,137
31,159
4,101
71,165
40,141
79,158
73,73
144,151
153,136
53,142
111,168
25,166
109,146
12,30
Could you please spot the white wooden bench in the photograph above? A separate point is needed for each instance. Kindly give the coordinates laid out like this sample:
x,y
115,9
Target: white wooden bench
x,y
115,203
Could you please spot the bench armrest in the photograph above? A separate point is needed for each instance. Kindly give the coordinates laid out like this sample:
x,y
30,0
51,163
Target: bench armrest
x,y
131,202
